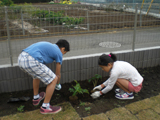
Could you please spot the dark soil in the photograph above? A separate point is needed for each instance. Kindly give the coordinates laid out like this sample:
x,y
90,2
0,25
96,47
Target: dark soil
x,y
98,21
85,105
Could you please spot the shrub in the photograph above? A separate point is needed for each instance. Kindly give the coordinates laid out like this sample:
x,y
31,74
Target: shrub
x,y
6,2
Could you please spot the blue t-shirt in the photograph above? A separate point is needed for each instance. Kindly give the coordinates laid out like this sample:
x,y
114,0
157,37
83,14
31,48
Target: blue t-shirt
x,y
45,52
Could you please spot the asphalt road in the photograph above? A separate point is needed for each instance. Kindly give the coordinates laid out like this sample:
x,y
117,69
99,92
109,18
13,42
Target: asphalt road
x,y
84,44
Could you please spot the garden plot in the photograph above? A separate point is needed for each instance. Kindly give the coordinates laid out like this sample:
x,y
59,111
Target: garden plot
x,y
75,20
85,105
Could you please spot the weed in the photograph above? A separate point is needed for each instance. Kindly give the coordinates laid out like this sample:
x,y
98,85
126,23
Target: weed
x,y
20,108
117,105
87,109
82,103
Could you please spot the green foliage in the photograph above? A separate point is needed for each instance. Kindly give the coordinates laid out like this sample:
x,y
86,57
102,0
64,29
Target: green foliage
x,y
82,103
77,89
87,109
6,2
95,79
57,18
27,7
16,8
20,108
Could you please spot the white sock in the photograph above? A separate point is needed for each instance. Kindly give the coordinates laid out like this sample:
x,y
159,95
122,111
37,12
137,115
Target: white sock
x,y
36,96
46,105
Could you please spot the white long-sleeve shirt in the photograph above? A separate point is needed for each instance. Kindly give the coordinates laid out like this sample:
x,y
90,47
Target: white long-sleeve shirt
x,y
125,70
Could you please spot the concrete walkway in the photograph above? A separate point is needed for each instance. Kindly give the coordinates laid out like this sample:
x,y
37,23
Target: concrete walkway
x,y
147,109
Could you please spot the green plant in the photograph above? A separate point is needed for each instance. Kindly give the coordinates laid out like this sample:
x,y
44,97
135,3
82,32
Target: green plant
x,y
117,105
20,108
95,79
87,109
77,89
82,103
16,8
6,2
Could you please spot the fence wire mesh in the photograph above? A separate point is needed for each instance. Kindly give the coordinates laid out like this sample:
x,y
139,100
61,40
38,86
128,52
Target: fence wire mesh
x,y
89,28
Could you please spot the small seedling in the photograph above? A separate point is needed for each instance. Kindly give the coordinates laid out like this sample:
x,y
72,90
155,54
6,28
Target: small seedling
x,y
82,103
95,79
117,105
20,108
77,89
87,109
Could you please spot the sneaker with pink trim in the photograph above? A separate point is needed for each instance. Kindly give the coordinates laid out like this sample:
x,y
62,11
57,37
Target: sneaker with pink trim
x,y
125,96
42,96
51,110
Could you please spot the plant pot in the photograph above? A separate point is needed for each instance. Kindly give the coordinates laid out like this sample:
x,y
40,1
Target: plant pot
x,y
73,98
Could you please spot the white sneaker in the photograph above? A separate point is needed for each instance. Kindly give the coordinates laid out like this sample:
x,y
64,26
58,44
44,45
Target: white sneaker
x,y
58,86
125,96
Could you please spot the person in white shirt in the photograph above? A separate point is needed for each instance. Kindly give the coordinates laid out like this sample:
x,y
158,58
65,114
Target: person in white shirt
x,y
122,73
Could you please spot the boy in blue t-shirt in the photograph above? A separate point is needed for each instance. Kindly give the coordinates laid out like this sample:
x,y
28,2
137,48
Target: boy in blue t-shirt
x,y
33,59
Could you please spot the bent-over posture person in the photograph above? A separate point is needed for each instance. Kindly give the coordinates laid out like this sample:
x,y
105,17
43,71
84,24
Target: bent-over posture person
x,y
32,60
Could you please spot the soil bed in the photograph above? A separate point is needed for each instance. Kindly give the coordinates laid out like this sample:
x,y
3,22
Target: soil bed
x,y
85,105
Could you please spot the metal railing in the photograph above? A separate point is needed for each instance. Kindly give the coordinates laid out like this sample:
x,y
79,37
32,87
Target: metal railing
x,y
89,28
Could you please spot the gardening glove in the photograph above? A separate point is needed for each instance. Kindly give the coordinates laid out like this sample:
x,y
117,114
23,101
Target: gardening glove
x,y
96,94
99,87
58,86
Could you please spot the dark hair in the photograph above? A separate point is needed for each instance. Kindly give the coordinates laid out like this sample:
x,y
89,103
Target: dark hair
x,y
105,59
63,43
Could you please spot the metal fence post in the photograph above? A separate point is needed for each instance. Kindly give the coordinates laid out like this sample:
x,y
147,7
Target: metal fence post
x,y
135,26
87,21
140,17
22,22
8,35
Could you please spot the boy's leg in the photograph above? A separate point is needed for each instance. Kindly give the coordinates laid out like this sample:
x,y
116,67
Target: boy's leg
x,y
50,89
123,84
38,97
46,107
36,86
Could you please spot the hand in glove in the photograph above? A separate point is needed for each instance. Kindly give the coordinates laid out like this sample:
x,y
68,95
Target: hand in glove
x,y
99,87
58,86
96,94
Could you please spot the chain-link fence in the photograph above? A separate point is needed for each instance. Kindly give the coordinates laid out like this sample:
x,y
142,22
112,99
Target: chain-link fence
x,y
89,28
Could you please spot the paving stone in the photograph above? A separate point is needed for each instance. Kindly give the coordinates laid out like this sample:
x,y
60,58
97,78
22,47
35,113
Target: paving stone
x,y
148,114
120,114
101,116
140,105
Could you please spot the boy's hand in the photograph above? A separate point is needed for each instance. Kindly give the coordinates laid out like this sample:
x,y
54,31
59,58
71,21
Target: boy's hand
x,y
96,94
58,86
99,87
